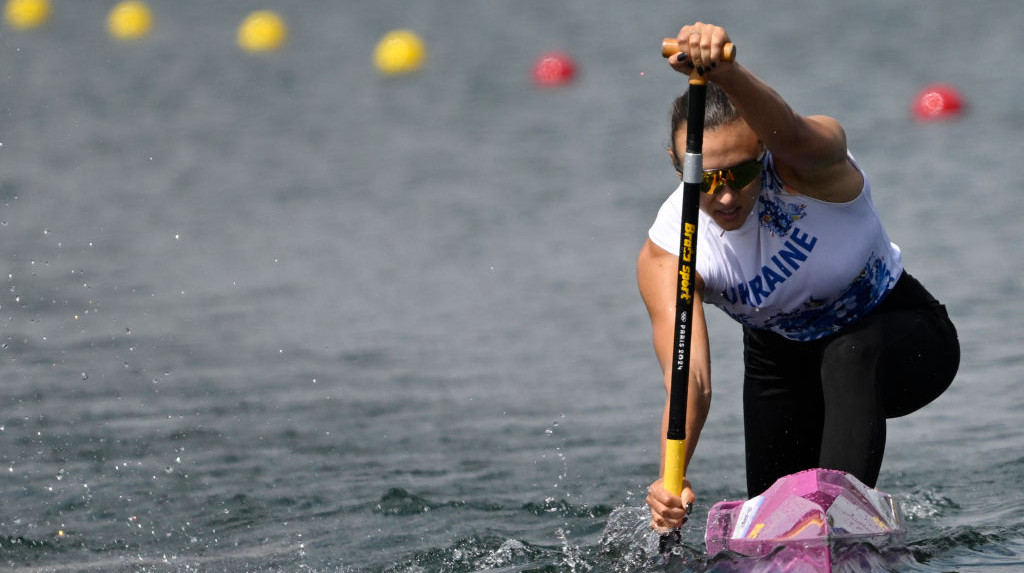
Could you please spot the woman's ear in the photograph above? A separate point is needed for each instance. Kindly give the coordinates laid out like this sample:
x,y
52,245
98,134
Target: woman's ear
x,y
675,162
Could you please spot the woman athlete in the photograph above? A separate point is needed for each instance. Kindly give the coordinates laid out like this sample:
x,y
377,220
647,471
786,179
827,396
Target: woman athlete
x,y
837,336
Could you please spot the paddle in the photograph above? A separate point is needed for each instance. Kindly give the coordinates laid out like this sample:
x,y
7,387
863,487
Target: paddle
x,y
693,170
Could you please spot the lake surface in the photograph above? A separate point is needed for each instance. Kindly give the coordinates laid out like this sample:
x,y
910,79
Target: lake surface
x,y
278,313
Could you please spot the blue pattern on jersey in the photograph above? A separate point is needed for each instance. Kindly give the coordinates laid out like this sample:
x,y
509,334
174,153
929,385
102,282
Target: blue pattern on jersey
x,y
773,213
818,318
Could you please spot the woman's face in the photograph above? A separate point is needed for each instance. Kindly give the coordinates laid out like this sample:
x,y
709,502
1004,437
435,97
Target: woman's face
x,y
724,147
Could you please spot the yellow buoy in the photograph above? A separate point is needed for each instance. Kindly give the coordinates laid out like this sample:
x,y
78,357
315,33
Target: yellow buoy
x,y
129,20
399,52
27,14
262,31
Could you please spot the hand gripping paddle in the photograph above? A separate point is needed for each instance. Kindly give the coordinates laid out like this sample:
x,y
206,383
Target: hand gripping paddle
x,y
693,171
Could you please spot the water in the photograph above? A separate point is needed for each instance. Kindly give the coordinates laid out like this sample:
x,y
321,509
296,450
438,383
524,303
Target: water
x,y
280,314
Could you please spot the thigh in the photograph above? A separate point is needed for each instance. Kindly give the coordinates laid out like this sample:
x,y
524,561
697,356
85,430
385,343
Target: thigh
x,y
905,357
920,351
920,359
782,408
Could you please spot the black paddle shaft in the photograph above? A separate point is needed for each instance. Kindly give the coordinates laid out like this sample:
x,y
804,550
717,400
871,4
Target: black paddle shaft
x,y
686,279
686,287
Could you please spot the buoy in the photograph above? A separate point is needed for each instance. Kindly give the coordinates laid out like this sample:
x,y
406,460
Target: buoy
x,y
262,31
129,20
27,14
399,52
553,69
938,101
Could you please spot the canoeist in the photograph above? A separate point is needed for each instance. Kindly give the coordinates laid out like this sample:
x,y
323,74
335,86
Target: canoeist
x,y
837,336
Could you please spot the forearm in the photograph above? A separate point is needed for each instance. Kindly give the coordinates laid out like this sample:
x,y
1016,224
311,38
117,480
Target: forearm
x,y
806,143
698,406
764,110
696,415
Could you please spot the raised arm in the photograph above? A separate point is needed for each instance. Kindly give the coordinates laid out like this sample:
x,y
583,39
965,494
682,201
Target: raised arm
x,y
810,151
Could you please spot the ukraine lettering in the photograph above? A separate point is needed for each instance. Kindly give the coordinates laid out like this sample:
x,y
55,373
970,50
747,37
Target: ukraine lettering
x,y
784,263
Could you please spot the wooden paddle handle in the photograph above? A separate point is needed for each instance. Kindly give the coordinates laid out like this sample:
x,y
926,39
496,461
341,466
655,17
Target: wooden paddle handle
x,y
670,47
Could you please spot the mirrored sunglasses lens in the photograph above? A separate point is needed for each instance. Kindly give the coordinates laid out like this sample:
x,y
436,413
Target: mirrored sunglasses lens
x,y
711,181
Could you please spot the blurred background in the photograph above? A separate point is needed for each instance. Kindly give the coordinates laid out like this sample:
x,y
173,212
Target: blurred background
x,y
292,305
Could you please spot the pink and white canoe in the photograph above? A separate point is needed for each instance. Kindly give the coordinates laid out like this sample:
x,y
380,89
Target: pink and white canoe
x,y
805,520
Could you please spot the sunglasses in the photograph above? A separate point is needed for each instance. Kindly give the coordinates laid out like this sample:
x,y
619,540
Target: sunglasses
x,y
737,177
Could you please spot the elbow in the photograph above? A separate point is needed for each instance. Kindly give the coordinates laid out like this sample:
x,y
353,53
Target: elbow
x,y
704,396
700,392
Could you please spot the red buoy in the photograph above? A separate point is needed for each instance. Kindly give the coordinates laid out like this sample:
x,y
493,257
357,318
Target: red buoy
x,y
938,101
553,69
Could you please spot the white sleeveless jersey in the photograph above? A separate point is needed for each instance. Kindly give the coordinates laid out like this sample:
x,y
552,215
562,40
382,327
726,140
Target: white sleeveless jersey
x,y
798,266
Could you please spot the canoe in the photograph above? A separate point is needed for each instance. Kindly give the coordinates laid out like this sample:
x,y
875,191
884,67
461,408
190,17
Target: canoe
x,y
807,518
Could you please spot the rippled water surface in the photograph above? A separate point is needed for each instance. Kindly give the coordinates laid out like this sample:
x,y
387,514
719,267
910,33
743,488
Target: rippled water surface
x,y
277,313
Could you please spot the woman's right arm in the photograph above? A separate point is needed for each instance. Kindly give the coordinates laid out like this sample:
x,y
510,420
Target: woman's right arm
x,y
809,151
657,271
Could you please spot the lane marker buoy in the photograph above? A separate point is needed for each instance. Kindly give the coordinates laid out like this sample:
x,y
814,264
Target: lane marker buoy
x,y
938,101
554,69
262,31
129,20
399,52
27,14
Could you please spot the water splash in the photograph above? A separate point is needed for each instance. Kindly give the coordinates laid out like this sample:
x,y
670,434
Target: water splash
x,y
398,501
477,553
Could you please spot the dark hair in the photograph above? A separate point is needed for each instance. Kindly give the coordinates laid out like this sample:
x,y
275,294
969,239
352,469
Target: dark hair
x,y
718,111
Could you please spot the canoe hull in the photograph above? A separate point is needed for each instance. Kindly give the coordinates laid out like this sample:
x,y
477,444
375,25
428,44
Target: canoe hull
x,y
806,517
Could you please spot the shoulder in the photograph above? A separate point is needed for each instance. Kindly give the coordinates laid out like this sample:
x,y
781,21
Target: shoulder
x,y
657,273
653,258
821,168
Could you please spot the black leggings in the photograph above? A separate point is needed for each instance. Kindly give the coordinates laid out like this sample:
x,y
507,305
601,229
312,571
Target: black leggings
x,y
824,403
